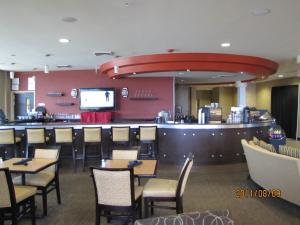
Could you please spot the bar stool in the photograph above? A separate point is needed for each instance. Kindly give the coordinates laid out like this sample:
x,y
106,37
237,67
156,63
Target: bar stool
x,y
35,137
148,136
8,139
120,136
92,136
64,138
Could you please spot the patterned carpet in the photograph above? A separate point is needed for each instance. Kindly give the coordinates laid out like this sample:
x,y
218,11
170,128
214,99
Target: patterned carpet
x,y
209,188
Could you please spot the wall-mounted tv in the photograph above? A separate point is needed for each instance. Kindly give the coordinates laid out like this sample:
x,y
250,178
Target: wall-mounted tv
x,y
97,99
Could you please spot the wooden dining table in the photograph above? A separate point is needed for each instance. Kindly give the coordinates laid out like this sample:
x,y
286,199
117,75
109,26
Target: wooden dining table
x,y
146,169
33,166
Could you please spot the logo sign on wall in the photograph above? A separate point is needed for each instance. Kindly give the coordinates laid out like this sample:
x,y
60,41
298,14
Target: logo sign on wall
x,y
124,92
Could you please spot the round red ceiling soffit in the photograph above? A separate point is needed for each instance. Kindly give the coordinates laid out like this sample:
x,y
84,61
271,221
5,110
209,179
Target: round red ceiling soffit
x,y
125,66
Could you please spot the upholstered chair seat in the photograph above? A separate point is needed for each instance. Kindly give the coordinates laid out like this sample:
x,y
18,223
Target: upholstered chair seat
x,y
138,191
160,188
40,179
23,192
164,190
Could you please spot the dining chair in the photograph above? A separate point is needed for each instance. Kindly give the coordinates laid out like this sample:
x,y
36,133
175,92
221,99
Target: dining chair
x,y
120,136
115,192
48,179
35,137
15,201
165,190
64,137
92,136
147,137
9,141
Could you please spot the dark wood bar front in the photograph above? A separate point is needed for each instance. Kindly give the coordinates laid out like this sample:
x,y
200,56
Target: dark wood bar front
x,y
210,144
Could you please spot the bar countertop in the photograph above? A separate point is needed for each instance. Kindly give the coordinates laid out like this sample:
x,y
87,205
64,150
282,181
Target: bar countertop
x,y
171,125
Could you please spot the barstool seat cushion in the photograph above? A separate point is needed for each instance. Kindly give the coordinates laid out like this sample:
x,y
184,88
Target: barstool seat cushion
x,y
160,188
138,190
41,179
18,139
23,192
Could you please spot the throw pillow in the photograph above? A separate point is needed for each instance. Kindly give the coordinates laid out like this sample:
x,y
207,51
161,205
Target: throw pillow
x,y
267,146
289,151
255,140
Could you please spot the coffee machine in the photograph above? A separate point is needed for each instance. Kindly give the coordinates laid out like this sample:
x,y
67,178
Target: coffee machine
x,y
203,115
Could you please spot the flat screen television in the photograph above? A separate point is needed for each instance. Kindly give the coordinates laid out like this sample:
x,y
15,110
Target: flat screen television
x,y
97,99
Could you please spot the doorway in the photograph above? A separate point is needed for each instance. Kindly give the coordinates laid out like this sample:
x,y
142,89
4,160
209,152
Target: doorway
x,y
23,103
284,108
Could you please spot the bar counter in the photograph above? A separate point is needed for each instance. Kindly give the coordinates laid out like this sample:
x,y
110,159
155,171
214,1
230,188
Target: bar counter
x,y
210,143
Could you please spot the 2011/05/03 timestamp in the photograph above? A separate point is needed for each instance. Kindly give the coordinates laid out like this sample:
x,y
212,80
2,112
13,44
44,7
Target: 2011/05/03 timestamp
x,y
257,193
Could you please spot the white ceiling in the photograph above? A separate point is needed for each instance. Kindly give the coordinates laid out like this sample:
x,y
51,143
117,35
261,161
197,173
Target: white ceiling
x,y
30,29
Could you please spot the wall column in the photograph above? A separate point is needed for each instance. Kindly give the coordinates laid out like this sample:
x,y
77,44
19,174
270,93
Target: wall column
x,y
241,94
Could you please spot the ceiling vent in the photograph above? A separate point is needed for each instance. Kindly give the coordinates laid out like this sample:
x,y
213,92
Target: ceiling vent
x,y
63,66
103,53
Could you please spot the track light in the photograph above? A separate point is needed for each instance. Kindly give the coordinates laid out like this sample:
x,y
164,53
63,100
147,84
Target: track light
x,y
116,68
46,69
11,75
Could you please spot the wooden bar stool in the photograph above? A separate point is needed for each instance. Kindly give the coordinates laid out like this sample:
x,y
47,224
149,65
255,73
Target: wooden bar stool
x,y
120,136
92,136
64,137
9,141
148,136
35,137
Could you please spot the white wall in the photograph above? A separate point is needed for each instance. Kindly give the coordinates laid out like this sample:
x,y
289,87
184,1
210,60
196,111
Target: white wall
x,y
5,94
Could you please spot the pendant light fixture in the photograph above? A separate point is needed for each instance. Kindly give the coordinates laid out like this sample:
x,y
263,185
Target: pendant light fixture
x,y
116,68
46,69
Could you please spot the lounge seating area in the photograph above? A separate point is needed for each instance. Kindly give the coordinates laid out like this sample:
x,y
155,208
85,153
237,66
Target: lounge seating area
x,y
274,172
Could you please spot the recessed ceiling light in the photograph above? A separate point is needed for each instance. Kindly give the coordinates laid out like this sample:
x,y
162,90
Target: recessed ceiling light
x,y
64,40
46,69
134,73
69,19
188,70
242,72
280,75
225,44
260,12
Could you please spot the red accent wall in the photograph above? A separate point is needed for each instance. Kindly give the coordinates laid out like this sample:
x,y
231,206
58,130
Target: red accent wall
x,y
64,81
